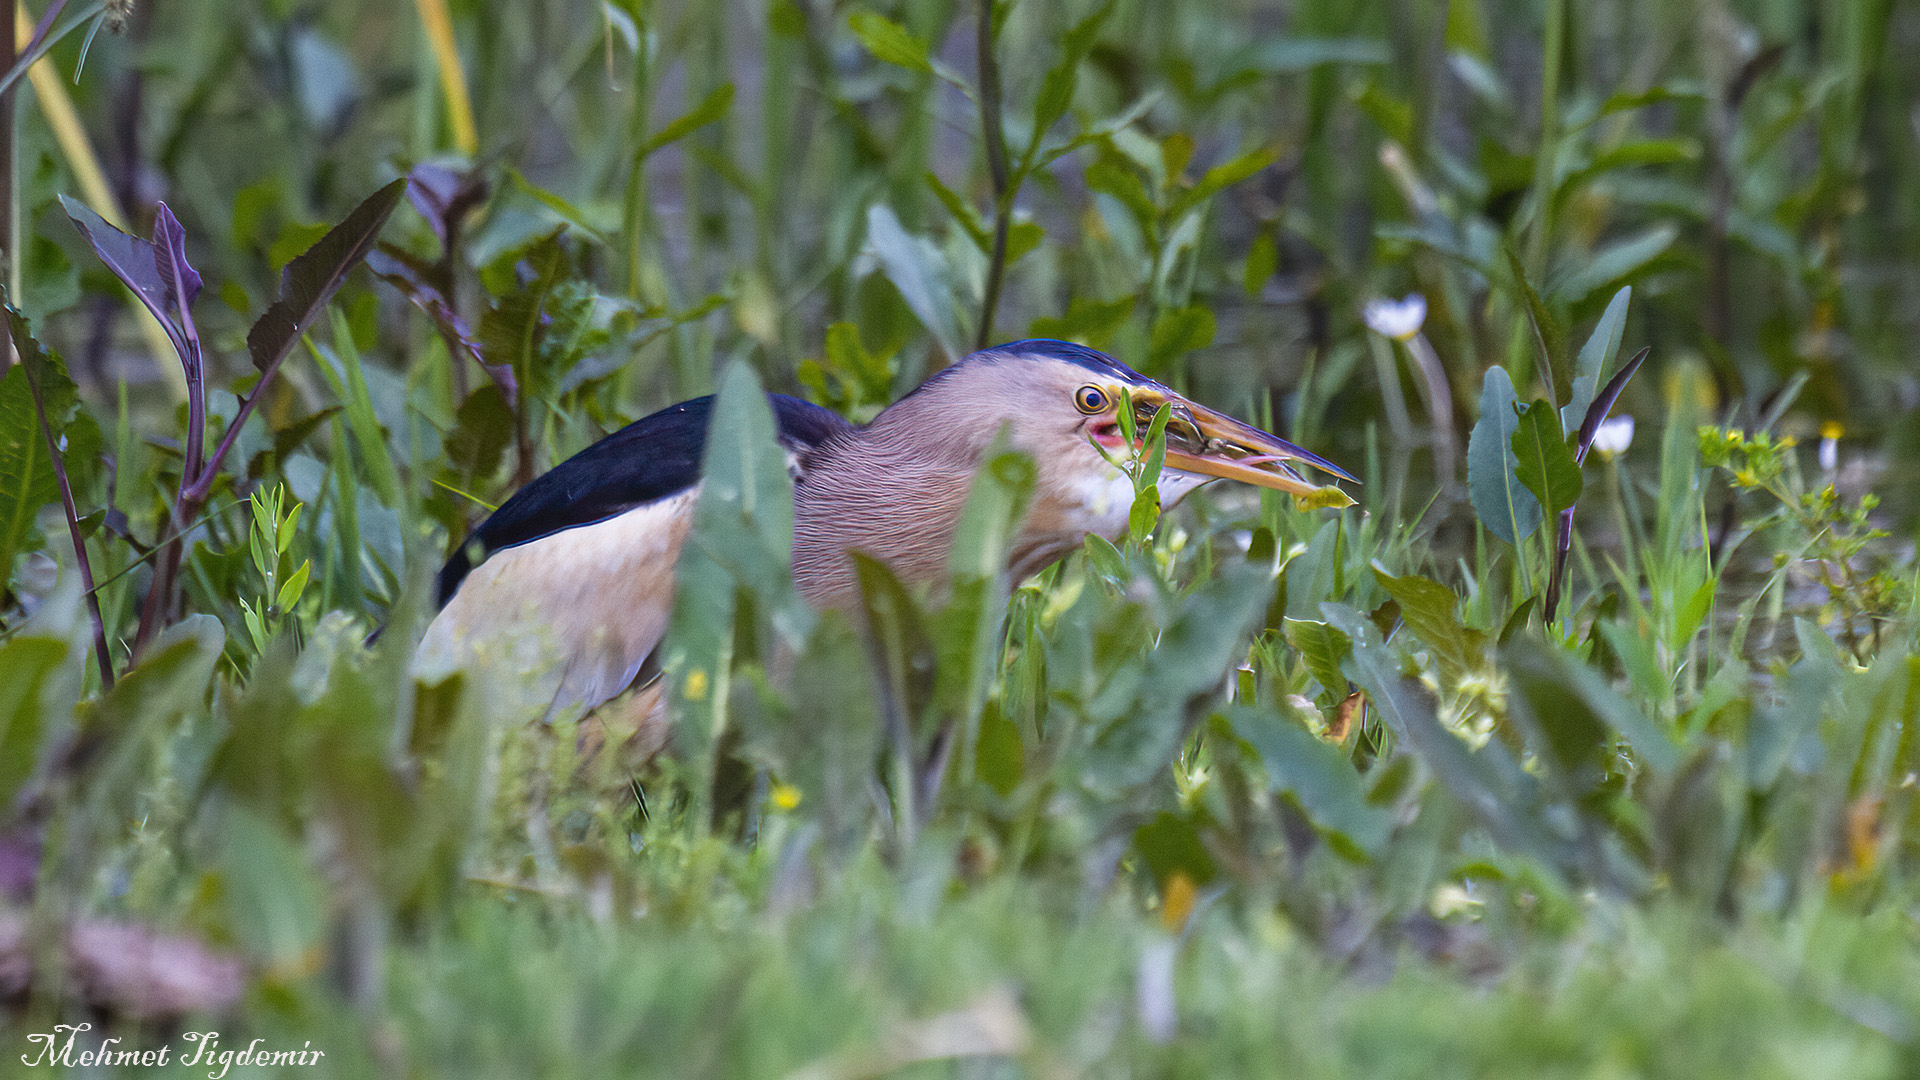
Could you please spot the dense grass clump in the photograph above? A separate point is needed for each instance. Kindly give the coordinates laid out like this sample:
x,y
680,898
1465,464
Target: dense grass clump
x,y
1583,745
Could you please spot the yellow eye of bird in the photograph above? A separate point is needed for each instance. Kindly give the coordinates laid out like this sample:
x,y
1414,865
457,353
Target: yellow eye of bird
x,y
1090,399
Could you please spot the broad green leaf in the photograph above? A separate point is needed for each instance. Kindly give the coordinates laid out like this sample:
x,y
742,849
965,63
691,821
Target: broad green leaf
x,y
1615,261
969,625
1546,466
275,902
1488,780
1321,648
1506,508
1431,612
919,270
26,663
741,545
1145,726
889,41
1178,332
26,474
1171,844
1556,681
1591,365
1317,775
711,108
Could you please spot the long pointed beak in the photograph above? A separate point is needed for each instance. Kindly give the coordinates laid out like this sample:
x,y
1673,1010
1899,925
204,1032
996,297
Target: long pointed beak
x,y
1202,440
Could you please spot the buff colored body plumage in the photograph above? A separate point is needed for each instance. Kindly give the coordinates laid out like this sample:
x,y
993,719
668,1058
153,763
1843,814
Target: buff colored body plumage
x,y
588,600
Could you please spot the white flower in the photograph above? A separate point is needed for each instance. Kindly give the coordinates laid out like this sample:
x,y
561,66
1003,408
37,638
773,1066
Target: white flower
x,y
1613,436
1397,319
1830,433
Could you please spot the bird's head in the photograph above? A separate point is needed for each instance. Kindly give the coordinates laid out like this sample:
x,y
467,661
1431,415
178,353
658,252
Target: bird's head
x,y
896,488
1062,404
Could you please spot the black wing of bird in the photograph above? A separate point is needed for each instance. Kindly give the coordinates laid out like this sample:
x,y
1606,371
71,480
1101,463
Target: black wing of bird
x,y
649,459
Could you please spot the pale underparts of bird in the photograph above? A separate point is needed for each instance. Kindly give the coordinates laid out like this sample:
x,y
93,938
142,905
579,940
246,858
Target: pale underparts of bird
x,y
573,576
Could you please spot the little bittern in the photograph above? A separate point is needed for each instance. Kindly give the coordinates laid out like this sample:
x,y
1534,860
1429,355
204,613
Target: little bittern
x,y
583,557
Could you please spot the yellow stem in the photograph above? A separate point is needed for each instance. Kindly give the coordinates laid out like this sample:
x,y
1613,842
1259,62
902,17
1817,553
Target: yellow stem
x,y
57,106
453,78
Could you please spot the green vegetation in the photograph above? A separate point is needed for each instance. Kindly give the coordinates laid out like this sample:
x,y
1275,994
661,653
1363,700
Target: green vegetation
x,y
1561,753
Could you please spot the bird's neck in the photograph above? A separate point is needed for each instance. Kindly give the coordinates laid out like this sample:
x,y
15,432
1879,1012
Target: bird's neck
x,y
875,491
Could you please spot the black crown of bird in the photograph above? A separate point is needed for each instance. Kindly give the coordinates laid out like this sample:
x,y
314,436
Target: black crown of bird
x,y
582,559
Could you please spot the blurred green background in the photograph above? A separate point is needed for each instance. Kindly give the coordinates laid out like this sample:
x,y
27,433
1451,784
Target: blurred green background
x,y
1256,790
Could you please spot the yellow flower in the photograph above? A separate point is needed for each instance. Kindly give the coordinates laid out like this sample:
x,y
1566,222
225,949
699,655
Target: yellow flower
x,y
1177,898
784,796
695,688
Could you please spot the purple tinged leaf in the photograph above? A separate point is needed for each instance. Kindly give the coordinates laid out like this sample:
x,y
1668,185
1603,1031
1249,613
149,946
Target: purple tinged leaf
x,y
443,196
133,261
1603,402
309,281
415,279
181,280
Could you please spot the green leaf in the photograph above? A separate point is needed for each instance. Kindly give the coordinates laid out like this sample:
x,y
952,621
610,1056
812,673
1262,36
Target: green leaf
x,y
1488,780
1263,261
1546,466
309,281
351,386
711,108
1171,844
1186,665
1615,261
1022,238
1506,508
1057,87
1094,322
1431,612
1321,649
1221,177
26,663
919,270
275,902
26,475
563,209
968,627
295,586
964,213
1176,333
1569,699
1548,333
1594,357
1317,775
1286,55
889,41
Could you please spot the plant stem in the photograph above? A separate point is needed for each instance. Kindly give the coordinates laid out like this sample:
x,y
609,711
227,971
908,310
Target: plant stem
x,y
73,532
10,197
1543,166
993,129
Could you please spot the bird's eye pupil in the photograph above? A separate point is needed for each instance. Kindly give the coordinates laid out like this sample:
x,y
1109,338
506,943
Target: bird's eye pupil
x,y
1092,399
